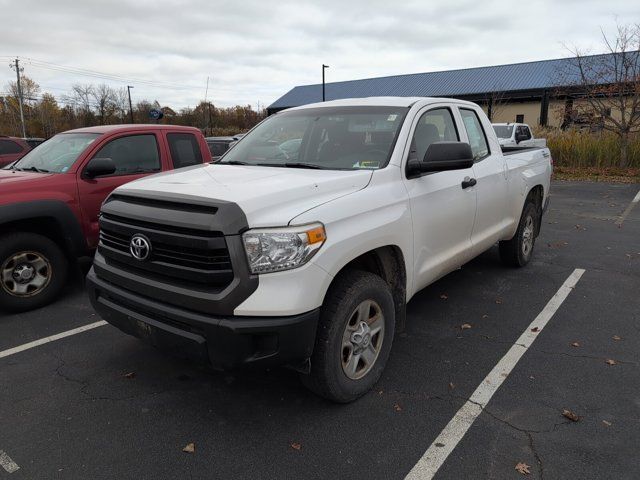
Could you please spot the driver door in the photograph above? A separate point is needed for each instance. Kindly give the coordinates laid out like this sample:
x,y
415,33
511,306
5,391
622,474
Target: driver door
x,y
134,156
442,211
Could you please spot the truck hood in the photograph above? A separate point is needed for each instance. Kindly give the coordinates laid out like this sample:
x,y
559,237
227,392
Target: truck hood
x,y
17,179
269,196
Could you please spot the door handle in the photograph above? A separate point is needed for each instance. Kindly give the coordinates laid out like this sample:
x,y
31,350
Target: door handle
x,y
468,182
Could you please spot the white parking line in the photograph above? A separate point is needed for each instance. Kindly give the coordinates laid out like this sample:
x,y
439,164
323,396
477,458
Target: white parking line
x,y
456,429
633,203
52,338
9,465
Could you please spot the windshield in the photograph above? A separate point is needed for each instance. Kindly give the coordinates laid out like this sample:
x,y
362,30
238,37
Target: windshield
x,y
57,154
503,131
336,138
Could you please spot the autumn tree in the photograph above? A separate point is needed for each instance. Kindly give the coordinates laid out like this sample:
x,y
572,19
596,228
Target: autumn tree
x,y
610,85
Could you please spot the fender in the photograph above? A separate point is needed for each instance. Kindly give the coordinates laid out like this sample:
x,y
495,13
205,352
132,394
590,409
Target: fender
x,y
56,210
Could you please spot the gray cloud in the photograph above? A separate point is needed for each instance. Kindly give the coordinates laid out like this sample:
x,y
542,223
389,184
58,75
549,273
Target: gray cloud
x,y
255,51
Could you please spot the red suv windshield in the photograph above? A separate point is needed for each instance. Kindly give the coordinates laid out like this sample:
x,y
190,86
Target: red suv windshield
x,y
57,154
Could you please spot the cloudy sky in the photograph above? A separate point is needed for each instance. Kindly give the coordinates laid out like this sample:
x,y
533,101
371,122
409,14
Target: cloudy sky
x,y
256,50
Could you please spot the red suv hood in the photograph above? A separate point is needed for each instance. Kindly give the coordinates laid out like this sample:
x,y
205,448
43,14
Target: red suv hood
x,y
18,186
13,177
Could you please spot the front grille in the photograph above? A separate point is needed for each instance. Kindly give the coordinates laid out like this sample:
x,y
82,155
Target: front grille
x,y
180,256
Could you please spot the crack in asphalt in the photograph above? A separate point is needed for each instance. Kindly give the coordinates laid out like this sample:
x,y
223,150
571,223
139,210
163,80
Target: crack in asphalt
x,y
536,455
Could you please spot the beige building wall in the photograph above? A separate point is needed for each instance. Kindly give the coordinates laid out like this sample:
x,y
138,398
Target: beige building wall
x,y
508,112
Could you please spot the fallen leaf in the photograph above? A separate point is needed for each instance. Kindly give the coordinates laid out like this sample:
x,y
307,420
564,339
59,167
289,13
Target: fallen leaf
x,y
523,468
535,329
608,424
189,448
485,316
451,386
498,301
616,338
443,296
611,362
570,415
296,446
575,344
397,408
465,326
129,375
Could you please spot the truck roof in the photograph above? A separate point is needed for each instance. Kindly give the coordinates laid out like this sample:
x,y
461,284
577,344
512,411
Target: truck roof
x,y
380,102
129,126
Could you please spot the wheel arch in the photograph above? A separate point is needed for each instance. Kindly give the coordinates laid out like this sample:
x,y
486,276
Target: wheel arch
x,y
50,218
536,195
388,263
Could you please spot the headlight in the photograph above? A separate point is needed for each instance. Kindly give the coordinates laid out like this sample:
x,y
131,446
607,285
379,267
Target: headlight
x,y
273,250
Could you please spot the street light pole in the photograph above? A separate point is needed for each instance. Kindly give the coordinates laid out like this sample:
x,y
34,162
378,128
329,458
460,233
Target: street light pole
x,y
323,67
129,87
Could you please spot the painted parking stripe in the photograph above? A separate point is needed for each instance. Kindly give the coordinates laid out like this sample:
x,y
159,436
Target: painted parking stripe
x,y
456,429
624,215
52,338
9,465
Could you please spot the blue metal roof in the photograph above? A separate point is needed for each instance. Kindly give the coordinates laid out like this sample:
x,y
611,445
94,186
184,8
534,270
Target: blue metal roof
x,y
501,78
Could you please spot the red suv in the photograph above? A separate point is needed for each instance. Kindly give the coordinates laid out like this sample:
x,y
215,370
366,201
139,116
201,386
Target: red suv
x,y
51,197
11,149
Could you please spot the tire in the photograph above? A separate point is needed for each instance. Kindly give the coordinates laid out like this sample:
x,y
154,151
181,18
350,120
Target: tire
x,y
35,255
354,296
518,251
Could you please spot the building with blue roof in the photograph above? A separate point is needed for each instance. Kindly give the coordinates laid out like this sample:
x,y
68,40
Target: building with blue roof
x,y
531,92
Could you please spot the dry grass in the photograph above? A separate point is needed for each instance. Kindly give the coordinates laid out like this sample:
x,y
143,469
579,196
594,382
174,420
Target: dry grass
x,y
572,148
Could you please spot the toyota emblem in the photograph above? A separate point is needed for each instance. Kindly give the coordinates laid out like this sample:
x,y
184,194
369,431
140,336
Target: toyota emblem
x,y
140,247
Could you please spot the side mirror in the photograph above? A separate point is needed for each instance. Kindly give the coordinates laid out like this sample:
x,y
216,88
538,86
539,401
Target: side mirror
x,y
441,156
98,167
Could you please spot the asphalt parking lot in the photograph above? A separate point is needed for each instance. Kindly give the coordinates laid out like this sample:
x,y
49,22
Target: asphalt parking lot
x,y
101,404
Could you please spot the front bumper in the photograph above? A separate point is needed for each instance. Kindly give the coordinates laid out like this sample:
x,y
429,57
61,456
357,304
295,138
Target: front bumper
x,y
225,342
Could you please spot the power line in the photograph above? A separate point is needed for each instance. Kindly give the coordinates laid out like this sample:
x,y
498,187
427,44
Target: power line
x,y
105,76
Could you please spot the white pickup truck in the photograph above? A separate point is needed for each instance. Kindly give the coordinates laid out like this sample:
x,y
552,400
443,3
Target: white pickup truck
x,y
306,254
517,134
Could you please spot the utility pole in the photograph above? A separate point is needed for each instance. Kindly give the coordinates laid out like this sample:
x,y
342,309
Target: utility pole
x,y
129,87
207,114
323,67
17,67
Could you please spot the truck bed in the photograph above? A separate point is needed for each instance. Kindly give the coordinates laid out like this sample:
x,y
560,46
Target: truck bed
x,y
511,150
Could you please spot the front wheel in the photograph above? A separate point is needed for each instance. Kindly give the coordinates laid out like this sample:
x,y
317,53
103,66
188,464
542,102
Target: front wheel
x,y
518,251
33,270
355,334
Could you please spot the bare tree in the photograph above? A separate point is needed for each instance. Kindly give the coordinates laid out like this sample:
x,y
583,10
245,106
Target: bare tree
x,y
610,85
105,101
121,102
80,98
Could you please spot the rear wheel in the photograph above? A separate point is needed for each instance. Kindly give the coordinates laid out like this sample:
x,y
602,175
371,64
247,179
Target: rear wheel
x,y
33,270
354,338
518,251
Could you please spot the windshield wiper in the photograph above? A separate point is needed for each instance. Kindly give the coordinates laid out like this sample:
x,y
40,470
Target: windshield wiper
x,y
31,169
232,162
312,166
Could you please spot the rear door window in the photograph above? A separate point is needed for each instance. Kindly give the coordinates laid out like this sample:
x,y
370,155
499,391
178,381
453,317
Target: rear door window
x,y
132,154
526,132
475,132
8,147
185,149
